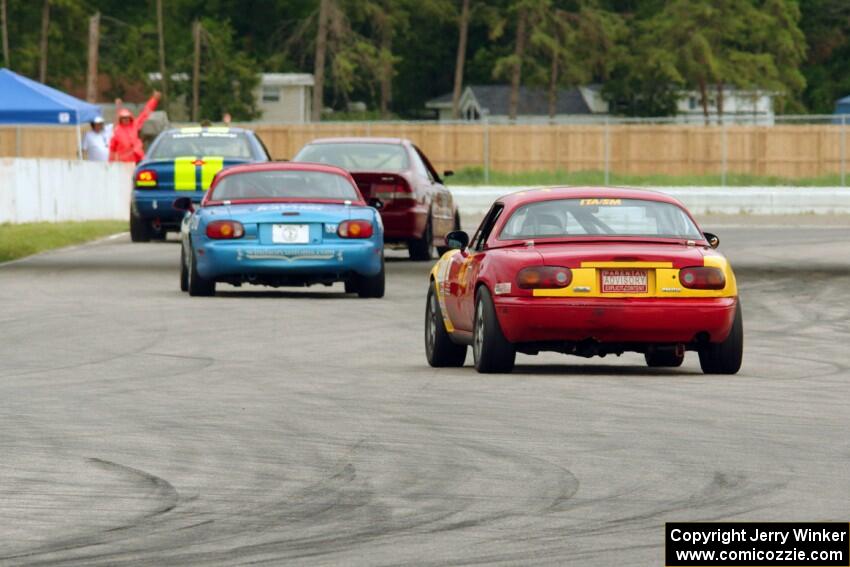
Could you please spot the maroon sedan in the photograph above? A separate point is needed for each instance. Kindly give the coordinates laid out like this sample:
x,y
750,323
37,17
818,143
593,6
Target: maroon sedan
x,y
393,174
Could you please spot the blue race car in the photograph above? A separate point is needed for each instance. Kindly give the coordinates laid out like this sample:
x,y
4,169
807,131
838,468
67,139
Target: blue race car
x,y
282,224
184,161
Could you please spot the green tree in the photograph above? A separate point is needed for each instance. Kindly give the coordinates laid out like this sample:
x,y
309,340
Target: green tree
x,y
229,76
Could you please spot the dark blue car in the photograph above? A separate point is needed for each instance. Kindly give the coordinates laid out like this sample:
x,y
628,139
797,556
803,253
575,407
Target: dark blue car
x,y
182,163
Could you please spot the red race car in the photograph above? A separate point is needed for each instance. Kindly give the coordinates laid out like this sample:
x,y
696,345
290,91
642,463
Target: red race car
x,y
585,271
395,176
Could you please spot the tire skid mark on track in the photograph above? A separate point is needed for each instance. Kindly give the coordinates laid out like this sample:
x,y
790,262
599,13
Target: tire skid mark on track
x,y
285,447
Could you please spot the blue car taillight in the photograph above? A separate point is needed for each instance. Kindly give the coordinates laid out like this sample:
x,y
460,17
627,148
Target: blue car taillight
x,y
355,229
225,230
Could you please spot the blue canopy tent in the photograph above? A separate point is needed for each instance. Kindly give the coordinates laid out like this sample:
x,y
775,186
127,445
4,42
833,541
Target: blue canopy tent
x,y
24,101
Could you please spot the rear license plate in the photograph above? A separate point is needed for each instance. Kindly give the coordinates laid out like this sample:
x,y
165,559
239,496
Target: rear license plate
x,y
290,233
624,281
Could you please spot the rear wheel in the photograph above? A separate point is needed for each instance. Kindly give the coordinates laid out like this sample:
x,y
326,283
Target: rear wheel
x,y
184,270
140,230
198,286
491,350
665,358
372,286
423,249
351,285
439,348
725,357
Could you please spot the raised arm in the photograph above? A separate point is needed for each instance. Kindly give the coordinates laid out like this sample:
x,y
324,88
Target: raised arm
x,y
150,106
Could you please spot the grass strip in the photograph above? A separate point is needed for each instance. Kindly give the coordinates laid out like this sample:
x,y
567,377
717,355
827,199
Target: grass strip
x,y
19,240
475,176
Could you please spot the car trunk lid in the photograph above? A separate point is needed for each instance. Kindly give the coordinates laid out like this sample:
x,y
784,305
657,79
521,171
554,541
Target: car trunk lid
x,y
621,269
186,173
292,223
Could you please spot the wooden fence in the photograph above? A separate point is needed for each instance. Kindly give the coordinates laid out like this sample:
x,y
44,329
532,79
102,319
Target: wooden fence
x,y
791,151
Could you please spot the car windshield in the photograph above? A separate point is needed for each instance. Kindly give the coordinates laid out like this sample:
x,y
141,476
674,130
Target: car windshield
x,y
306,185
357,156
602,217
198,144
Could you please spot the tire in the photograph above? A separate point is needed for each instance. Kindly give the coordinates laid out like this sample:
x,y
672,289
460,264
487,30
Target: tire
x,y
423,249
443,249
184,270
725,357
198,286
351,285
663,359
372,286
440,351
140,230
491,351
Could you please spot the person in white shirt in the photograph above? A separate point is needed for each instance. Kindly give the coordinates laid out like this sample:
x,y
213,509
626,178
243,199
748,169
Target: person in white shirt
x,y
96,141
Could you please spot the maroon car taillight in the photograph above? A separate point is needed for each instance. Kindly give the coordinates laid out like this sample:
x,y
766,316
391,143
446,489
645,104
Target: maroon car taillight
x,y
702,277
355,229
225,230
544,277
397,192
146,178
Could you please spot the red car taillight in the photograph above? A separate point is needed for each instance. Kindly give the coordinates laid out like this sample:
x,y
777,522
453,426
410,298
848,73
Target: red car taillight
x,y
702,277
544,277
146,178
225,229
392,192
355,229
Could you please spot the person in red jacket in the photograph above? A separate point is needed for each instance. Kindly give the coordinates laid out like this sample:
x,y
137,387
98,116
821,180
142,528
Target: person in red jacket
x,y
126,145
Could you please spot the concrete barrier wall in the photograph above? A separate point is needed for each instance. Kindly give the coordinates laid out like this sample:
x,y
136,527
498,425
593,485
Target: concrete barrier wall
x,y
476,200
36,190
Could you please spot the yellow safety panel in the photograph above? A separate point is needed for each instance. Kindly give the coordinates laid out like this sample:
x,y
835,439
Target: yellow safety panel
x,y
662,280
626,265
212,165
184,174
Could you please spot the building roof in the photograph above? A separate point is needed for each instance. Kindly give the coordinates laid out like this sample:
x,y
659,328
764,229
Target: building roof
x,y
287,79
534,101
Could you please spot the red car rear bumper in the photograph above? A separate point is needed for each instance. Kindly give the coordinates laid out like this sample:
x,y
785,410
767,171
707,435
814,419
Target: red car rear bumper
x,y
404,224
639,320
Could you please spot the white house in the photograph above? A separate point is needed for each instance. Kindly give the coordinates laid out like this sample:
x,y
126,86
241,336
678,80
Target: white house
x,y
580,104
285,97
739,106
585,105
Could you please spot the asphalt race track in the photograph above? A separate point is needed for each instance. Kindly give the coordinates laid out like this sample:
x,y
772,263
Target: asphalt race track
x,y
138,425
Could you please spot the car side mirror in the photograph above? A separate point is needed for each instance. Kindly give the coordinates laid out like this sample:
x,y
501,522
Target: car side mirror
x,y
376,203
712,239
448,173
457,240
183,204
